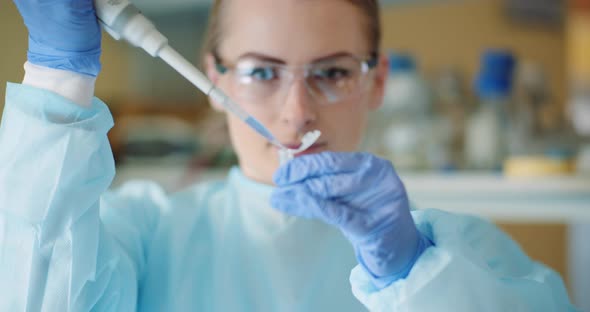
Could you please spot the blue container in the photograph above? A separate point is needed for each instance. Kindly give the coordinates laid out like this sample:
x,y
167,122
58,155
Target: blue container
x,y
399,62
496,74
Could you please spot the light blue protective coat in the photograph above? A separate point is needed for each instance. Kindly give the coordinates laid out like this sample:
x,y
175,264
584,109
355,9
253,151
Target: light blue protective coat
x,y
68,245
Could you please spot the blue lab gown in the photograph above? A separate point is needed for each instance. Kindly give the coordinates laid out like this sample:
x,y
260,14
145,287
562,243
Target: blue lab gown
x,y
66,243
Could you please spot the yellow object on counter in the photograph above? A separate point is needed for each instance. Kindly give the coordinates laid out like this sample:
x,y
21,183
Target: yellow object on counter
x,y
537,166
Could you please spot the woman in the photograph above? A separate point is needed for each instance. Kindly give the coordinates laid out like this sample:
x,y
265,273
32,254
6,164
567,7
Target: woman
x,y
268,238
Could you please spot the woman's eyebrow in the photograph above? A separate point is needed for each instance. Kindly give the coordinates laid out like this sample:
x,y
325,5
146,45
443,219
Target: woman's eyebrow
x,y
261,57
272,59
331,56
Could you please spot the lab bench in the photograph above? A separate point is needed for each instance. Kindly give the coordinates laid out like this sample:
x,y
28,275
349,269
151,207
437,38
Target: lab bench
x,y
561,199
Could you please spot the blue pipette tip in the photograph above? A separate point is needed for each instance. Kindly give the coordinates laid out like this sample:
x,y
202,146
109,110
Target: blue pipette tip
x,y
262,130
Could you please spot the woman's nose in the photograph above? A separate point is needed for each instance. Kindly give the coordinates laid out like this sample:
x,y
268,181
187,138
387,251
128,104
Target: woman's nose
x,y
298,110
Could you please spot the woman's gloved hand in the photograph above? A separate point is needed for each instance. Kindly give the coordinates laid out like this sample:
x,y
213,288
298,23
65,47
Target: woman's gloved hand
x,y
364,197
63,34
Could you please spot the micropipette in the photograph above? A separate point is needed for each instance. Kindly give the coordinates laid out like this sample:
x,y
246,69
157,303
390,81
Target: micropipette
x,y
122,20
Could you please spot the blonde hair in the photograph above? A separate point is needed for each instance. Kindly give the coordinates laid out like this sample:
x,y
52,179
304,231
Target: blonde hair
x,y
370,9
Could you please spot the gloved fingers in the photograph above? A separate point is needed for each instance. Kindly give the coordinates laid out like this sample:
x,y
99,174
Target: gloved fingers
x,y
378,200
314,165
364,189
334,185
356,223
296,200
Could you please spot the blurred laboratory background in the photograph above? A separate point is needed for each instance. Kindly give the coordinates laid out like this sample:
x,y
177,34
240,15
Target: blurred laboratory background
x,y
487,111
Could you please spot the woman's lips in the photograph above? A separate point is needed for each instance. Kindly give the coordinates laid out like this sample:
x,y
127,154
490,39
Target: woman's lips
x,y
292,146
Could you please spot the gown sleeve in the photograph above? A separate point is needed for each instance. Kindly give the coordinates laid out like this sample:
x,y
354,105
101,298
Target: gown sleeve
x,y
473,266
56,252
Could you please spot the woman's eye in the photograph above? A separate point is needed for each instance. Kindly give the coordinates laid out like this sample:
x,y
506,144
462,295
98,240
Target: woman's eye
x,y
333,73
262,73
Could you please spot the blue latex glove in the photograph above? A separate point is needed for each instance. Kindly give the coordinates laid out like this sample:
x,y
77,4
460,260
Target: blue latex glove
x,y
364,197
63,34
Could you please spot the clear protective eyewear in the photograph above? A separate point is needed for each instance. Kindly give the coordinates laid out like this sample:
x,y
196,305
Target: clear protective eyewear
x,y
329,80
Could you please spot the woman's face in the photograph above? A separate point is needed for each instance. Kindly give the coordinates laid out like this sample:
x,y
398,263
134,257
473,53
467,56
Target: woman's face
x,y
294,32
